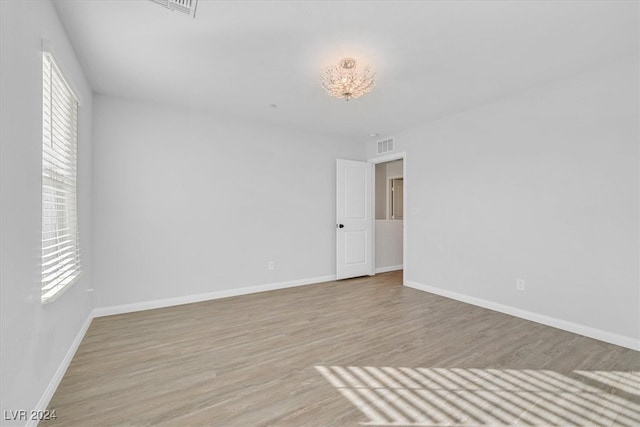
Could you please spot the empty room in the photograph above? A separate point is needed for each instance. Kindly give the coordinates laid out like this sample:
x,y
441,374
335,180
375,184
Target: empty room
x,y
320,213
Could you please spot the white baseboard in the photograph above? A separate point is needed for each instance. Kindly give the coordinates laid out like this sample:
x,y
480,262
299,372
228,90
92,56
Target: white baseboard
x,y
576,328
587,331
188,299
389,268
57,377
148,305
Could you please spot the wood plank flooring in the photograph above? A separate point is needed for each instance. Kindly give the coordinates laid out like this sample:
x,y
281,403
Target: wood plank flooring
x,y
365,351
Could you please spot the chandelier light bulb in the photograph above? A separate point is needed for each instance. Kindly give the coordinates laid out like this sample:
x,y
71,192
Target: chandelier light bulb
x,y
344,81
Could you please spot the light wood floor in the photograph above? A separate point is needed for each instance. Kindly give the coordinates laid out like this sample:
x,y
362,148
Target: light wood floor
x,y
366,351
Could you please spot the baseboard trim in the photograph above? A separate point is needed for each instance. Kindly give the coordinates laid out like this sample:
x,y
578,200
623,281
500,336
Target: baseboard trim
x,y
62,369
128,308
575,328
389,268
188,299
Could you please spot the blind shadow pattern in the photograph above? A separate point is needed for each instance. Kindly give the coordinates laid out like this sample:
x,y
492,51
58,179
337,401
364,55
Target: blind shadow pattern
x,y
390,396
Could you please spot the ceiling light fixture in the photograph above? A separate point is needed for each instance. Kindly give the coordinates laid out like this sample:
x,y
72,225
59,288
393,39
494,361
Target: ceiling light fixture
x,y
344,81
184,6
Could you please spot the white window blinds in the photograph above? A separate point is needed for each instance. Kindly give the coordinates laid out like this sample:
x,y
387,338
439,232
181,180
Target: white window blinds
x,y
60,243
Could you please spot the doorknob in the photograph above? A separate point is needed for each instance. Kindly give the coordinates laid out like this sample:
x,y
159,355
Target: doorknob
x,y
340,225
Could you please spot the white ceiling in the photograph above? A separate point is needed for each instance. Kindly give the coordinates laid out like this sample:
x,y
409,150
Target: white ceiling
x,y
432,58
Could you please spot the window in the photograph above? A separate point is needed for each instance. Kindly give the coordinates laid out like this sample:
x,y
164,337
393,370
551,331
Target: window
x,y
60,244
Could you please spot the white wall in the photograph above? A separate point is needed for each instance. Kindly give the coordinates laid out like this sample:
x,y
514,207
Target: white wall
x,y
35,338
388,245
541,186
190,203
394,168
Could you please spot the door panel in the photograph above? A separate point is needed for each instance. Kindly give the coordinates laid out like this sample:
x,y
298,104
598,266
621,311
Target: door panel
x,y
355,192
354,211
355,243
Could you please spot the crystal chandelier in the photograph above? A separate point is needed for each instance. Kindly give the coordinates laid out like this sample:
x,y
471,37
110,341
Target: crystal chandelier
x,y
344,81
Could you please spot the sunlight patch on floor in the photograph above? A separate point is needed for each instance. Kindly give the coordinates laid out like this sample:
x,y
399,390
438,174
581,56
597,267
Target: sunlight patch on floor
x,y
390,396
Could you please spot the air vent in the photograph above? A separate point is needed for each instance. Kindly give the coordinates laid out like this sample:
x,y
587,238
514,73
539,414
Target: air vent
x,y
385,146
184,6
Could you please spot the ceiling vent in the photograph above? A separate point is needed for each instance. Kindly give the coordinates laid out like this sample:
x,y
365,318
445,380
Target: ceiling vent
x,y
184,6
385,146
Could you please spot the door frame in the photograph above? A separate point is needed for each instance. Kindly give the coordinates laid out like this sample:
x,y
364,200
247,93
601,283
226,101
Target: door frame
x,y
389,196
401,155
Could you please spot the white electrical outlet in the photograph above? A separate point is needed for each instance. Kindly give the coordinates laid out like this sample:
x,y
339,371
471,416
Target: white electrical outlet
x,y
520,284
271,265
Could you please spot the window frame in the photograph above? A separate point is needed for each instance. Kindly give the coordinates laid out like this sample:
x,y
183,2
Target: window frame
x,y
60,256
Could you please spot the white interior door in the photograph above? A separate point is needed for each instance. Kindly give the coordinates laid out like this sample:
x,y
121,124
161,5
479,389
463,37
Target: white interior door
x,y
354,219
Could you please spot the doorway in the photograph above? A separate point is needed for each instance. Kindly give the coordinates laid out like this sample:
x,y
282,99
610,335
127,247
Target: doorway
x,y
389,192
396,186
